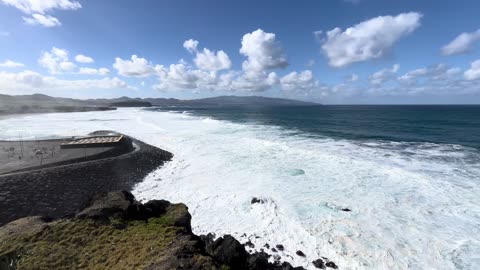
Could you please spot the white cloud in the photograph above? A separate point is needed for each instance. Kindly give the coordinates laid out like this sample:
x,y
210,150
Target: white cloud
x,y
462,43
94,71
56,61
384,75
369,39
40,19
38,9
254,81
80,58
474,72
412,75
42,6
297,81
136,67
30,80
10,64
211,61
263,52
181,76
206,59
190,45
439,72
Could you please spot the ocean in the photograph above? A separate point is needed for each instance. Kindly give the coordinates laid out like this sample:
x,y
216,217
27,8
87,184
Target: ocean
x,y
410,176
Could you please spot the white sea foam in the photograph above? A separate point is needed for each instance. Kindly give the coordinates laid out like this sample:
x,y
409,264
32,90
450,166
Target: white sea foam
x,y
414,206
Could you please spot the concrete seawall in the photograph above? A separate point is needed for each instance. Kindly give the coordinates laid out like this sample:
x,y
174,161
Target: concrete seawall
x,y
61,190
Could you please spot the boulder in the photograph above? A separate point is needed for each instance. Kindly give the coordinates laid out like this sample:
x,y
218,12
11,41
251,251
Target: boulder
x,y
256,200
227,250
331,265
258,261
105,205
319,263
300,253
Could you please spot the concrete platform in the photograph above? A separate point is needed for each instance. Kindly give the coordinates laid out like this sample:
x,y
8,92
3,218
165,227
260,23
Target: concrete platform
x,y
22,155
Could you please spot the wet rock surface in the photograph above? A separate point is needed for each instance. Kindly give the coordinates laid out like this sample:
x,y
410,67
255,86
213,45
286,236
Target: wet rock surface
x,y
300,253
256,200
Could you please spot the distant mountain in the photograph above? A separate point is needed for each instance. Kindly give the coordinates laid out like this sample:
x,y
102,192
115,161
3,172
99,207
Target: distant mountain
x,y
38,103
229,101
43,103
131,103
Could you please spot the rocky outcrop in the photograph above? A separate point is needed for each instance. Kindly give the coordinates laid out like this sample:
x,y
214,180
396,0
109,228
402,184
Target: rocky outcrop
x,y
115,231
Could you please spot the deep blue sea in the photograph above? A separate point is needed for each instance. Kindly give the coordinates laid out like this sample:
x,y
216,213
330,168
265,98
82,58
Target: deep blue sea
x,y
446,124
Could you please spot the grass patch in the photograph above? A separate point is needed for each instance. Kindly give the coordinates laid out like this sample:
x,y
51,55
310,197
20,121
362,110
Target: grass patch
x,y
88,244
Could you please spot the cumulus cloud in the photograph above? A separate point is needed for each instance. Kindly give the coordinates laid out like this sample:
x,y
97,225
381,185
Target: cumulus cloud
x,y
10,64
135,67
30,80
369,39
462,43
384,75
212,61
263,52
297,81
56,61
94,71
206,59
180,76
212,68
474,72
190,45
38,9
40,19
80,58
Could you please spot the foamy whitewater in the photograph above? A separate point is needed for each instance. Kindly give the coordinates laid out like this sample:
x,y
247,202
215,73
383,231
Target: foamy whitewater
x,y
414,208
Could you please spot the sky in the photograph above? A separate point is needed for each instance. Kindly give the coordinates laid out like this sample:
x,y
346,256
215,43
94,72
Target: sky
x,y
327,51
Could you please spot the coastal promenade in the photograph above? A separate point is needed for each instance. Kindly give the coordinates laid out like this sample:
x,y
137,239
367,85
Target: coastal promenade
x,y
65,186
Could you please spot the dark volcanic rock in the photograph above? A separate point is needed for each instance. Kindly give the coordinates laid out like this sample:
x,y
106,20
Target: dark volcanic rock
x,y
331,265
319,263
104,205
249,244
227,250
280,247
258,261
157,228
256,200
346,210
300,253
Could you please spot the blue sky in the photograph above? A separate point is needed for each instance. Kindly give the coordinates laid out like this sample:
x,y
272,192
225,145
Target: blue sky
x,y
331,51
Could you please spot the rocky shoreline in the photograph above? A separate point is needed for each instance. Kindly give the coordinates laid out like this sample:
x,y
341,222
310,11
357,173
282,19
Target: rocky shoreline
x,y
70,217
115,231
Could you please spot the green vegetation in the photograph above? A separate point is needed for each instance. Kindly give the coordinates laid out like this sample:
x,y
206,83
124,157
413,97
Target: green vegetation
x,y
90,244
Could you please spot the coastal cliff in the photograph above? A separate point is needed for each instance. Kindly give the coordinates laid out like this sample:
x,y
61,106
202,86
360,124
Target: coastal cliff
x,y
116,232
